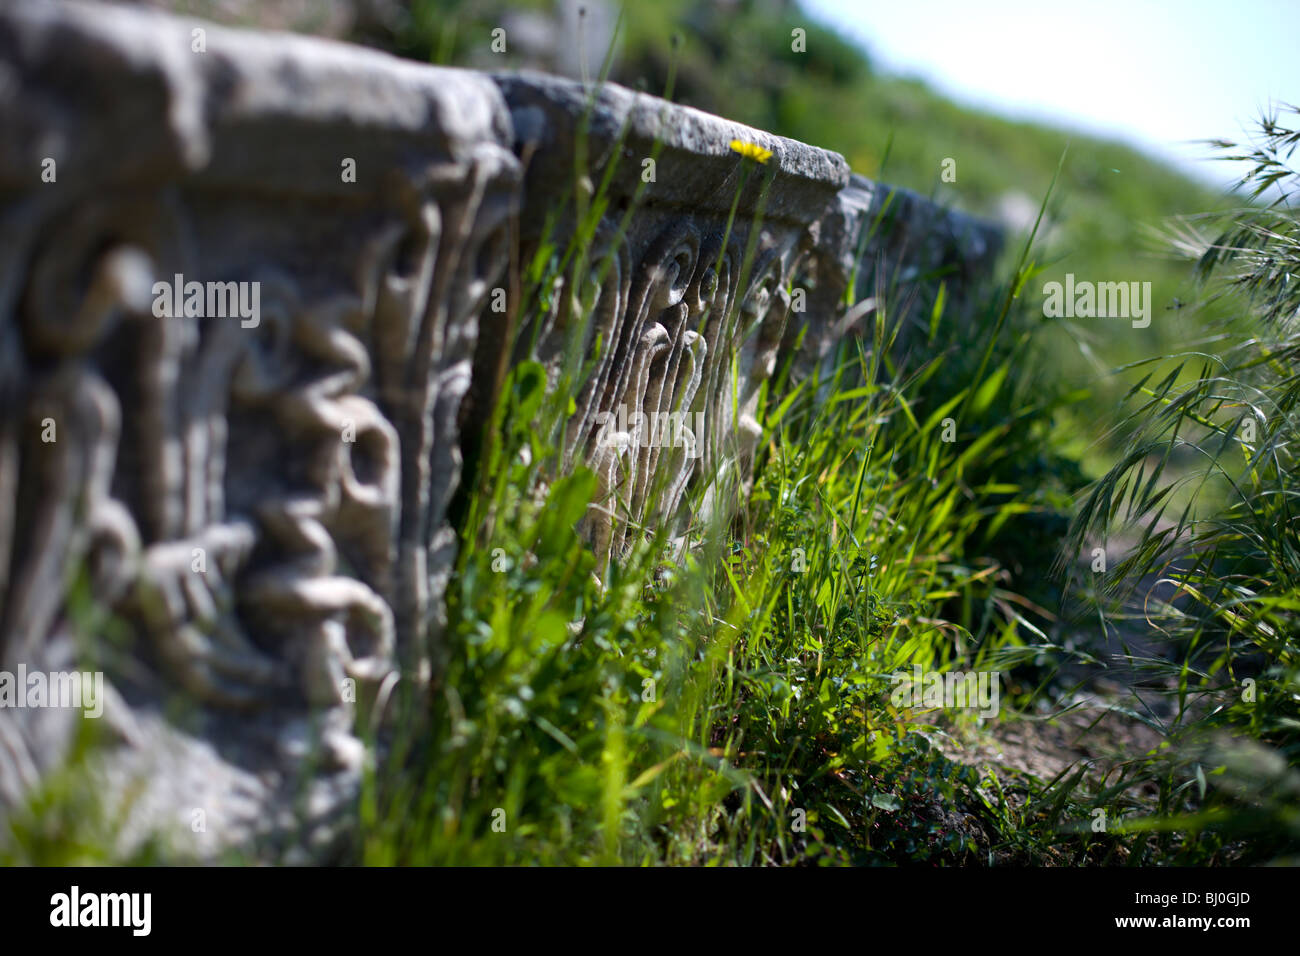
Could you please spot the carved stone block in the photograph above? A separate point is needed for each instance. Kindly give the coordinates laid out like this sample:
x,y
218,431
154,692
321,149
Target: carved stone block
x,y
687,298
239,287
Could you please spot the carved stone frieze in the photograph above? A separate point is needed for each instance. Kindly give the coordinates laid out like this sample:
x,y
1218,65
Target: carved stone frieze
x,y
246,344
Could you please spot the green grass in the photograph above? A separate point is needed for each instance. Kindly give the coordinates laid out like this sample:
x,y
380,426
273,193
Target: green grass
x,y
1223,534
770,685
731,704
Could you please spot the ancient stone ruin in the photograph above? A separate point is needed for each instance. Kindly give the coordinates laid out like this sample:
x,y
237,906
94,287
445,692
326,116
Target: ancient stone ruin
x,y
255,306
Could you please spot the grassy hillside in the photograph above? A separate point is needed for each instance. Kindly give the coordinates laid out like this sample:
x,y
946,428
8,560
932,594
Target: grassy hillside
x,y
736,60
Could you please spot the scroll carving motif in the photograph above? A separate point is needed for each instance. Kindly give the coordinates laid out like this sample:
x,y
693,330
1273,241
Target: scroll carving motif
x,y
255,500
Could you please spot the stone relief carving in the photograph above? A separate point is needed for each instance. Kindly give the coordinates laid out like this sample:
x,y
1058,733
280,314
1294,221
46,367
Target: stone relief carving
x,y
260,501
690,311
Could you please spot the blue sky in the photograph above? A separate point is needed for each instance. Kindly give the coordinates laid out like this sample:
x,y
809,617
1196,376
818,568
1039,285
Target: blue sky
x,y
1155,73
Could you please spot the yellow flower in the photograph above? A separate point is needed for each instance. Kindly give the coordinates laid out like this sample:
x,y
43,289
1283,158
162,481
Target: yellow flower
x,y
752,150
